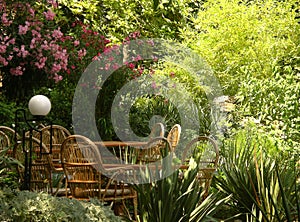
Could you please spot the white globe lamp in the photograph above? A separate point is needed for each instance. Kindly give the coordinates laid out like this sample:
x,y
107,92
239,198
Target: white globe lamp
x,y
39,105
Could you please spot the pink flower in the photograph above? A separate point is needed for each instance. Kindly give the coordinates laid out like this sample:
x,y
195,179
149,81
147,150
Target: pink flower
x,y
45,46
137,58
5,21
41,63
31,11
172,74
23,29
32,43
3,48
150,42
116,66
57,78
60,55
49,15
76,42
153,85
9,58
155,59
131,66
3,61
56,68
35,33
107,66
81,53
57,33
23,51
11,42
53,3
18,71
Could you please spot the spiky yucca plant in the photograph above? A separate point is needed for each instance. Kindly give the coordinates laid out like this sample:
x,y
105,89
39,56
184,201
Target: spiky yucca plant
x,y
176,197
263,186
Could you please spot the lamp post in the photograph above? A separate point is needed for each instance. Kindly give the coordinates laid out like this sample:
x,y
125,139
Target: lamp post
x,y
39,106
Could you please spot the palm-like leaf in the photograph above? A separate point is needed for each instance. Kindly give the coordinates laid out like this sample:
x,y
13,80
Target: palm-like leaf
x,y
176,197
263,187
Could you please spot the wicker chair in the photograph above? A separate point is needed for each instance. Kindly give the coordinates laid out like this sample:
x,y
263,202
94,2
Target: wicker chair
x,y
4,141
155,150
205,151
158,130
83,168
174,136
10,137
59,134
40,174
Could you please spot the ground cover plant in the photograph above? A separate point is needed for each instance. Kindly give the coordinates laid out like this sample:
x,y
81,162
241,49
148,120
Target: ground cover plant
x,y
30,206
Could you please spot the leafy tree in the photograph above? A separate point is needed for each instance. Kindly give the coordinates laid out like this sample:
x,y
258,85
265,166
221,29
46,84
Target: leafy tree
x,y
241,38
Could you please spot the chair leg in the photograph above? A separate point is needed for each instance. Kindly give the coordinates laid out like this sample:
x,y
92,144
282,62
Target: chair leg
x,y
135,206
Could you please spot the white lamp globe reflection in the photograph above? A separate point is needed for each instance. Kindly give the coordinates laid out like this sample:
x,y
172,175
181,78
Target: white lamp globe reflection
x,y
39,105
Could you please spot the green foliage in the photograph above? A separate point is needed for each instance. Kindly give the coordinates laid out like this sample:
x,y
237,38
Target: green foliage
x,y
149,110
61,97
7,112
196,90
263,185
176,197
120,18
8,175
30,206
273,102
242,38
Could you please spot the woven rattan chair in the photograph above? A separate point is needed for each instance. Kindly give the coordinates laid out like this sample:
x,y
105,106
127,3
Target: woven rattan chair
x,y
83,168
206,153
4,141
158,130
174,136
10,137
59,134
156,149
40,173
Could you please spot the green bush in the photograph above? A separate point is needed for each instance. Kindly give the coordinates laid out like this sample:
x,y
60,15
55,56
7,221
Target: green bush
x,y
274,102
176,196
241,38
30,206
263,183
7,112
117,19
8,175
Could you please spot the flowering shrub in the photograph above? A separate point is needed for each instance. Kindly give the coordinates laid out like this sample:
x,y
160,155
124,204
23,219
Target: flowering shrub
x,y
32,39
32,43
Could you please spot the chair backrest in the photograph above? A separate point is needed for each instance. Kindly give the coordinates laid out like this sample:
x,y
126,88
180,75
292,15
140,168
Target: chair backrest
x,y
10,135
206,154
59,134
10,132
174,136
4,141
40,172
82,165
158,130
156,149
